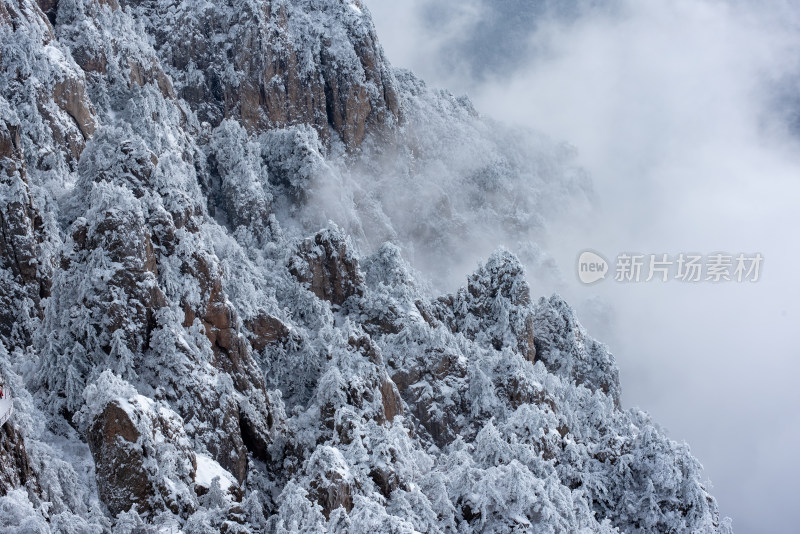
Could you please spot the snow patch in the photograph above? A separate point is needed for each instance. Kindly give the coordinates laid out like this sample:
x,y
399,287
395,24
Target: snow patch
x,y
208,469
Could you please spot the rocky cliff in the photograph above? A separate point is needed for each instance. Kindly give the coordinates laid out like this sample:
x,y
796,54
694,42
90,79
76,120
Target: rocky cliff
x,y
208,316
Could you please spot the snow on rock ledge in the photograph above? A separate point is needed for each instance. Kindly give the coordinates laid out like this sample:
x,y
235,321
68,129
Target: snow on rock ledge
x,y
207,470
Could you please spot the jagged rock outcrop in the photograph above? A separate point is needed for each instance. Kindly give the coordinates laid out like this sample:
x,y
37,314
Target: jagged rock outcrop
x,y
264,330
395,302
51,89
427,390
245,61
137,237
566,349
391,403
494,307
106,56
330,480
24,283
327,265
108,280
373,396
250,424
15,465
142,455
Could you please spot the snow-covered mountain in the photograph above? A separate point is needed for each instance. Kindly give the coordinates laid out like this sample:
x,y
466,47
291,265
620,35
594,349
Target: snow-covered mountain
x,y
223,227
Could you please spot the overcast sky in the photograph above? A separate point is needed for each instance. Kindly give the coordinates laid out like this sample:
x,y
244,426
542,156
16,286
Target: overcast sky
x,y
686,114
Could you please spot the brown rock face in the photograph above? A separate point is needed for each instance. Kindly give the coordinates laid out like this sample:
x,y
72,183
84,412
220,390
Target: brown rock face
x,y
60,93
390,397
347,88
265,330
15,468
150,72
20,236
69,94
126,442
331,481
247,427
17,240
526,340
131,296
49,8
391,402
325,264
121,481
353,105
386,479
91,61
132,237
425,403
110,56
11,150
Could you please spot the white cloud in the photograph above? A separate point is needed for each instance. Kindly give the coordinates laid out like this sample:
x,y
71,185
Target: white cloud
x,y
677,110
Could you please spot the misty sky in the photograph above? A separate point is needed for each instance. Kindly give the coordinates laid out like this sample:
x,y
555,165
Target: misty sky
x,y
686,115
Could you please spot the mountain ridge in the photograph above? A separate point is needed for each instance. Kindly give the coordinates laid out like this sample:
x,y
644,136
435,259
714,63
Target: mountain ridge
x,y
208,212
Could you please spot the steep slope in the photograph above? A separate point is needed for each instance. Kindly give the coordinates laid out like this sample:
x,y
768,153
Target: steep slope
x,y
191,343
